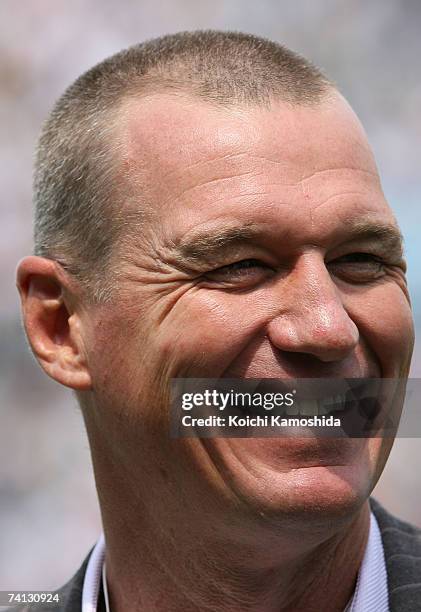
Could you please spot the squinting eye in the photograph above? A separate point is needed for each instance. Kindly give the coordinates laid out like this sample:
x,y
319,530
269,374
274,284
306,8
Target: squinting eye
x,y
358,257
244,271
358,267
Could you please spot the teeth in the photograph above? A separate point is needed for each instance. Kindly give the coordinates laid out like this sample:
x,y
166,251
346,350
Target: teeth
x,y
292,410
309,408
335,402
322,409
340,402
316,407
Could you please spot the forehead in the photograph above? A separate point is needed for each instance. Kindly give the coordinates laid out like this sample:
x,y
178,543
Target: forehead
x,y
193,160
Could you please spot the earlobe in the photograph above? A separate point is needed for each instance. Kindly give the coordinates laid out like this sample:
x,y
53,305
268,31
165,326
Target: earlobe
x,y
53,328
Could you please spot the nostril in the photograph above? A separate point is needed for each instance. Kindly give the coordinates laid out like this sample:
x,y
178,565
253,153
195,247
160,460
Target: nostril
x,y
306,365
306,342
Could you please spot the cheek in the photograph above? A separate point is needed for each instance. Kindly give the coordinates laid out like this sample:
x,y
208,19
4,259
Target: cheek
x,y
118,353
206,331
384,319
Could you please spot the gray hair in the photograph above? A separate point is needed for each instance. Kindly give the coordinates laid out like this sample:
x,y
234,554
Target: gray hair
x,y
79,212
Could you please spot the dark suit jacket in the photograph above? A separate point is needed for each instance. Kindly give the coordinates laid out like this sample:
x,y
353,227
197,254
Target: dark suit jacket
x,y
402,548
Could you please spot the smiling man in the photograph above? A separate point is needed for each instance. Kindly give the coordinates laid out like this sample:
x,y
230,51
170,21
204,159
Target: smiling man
x,y
207,206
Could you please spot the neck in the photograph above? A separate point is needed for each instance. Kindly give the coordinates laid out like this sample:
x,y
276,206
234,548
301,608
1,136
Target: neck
x,y
169,567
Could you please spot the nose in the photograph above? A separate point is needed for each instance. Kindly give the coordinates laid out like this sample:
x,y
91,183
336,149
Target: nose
x,y
311,316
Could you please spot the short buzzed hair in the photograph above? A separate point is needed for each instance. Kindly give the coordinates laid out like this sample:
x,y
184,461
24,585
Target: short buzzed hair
x,y
79,199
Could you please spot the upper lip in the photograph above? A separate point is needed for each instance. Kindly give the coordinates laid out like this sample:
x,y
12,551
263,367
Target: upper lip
x,y
313,388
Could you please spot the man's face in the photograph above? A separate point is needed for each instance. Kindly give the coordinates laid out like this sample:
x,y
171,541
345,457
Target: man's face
x,y
260,256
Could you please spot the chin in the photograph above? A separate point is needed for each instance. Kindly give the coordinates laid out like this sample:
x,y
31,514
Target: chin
x,y
290,478
322,492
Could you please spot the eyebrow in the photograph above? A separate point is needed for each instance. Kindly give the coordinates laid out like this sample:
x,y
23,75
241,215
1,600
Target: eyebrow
x,y
387,234
208,244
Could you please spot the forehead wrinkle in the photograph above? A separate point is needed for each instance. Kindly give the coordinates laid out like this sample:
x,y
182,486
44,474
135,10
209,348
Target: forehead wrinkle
x,y
205,163
334,196
151,151
276,179
213,182
319,173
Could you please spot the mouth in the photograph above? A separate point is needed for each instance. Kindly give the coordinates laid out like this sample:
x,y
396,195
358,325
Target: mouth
x,y
324,397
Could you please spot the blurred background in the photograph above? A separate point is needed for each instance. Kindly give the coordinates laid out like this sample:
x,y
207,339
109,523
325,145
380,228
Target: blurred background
x,y
49,516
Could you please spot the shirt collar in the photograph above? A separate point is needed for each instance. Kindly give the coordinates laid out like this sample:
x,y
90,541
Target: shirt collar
x,y
371,591
370,595
92,580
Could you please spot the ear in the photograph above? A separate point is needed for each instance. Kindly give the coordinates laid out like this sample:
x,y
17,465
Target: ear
x,y
52,323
